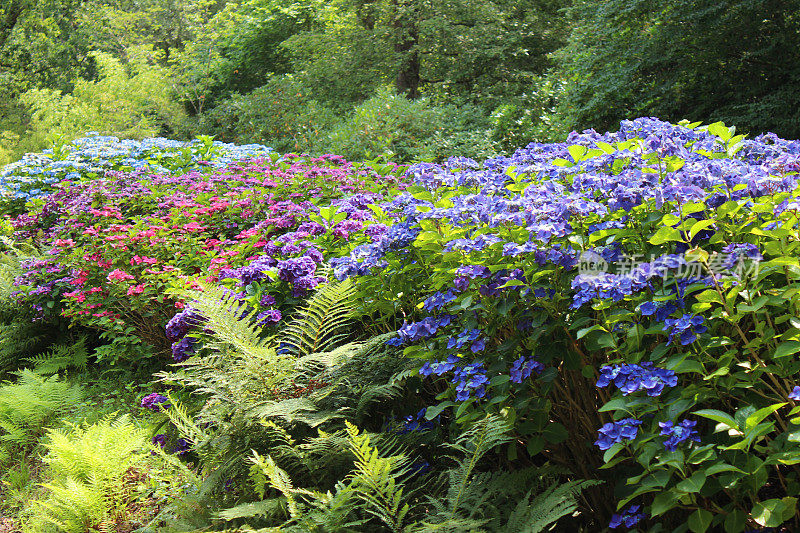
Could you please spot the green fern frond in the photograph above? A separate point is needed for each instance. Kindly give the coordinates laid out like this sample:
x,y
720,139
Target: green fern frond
x,y
231,322
179,415
264,509
377,480
320,324
536,512
475,442
61,357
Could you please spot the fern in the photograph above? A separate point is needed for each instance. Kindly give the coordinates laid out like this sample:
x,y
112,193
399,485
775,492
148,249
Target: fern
x,y
376,480
61,357
321,323
474,443
536,512
29,404
86,465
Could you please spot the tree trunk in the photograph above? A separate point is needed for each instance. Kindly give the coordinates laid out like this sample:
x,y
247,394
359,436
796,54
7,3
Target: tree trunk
x,y
406,25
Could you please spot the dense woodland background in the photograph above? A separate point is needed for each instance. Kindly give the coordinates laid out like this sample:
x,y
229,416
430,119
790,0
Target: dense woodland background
x,y
413,79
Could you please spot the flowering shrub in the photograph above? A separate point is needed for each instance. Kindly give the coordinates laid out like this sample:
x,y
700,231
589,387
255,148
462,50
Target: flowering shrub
x,y
89,157
113,246
628,302
635,289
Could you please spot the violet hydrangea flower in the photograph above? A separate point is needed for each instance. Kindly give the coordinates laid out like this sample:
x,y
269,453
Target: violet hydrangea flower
x,y
685,329
523,367
631,378
678,433
615,432
628,518
155,402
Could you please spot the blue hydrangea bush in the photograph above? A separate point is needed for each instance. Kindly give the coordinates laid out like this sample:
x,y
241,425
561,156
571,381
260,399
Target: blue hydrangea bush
x,y
628,300
92,156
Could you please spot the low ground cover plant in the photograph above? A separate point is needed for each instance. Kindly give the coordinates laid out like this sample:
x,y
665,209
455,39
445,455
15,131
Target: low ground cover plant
x,y
619,307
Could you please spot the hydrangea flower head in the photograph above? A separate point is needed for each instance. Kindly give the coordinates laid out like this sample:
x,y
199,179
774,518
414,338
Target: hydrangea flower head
x,y
678,433
685,329
155,402
628,517
616,432
631,378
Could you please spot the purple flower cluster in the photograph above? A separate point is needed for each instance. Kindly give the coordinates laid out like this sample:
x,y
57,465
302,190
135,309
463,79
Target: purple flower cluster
x,y
495,287
155,402
180,324
685,329
184,348
471,337
470,379
628,518
416,422
661,310
438,299
522,368
616,432
678,433
631,378
293,269
618,287
795,394
738,251
427,327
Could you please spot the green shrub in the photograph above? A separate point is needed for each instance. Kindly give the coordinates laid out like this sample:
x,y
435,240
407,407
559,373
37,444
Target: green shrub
x,y
128,100
281,114
386,124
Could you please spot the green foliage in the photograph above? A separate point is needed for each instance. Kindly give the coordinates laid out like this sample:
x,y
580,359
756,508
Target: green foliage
x,y
733,61
130,100
378,494
386,124
281,113
30,404
95,474
61,357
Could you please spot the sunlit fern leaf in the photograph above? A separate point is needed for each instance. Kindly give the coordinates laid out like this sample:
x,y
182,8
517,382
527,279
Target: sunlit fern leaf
x,y
378,480
292,410
270,508
322,322
232,324
474,443
535,512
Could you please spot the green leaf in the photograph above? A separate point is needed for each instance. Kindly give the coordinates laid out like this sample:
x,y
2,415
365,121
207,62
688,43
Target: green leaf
x,y
769,513
577,152
786,348
718,416
735,521
700,520
755,418
435,410
555,433
720,130
611,452
722,467
699,226
663,502
666,234
693,483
